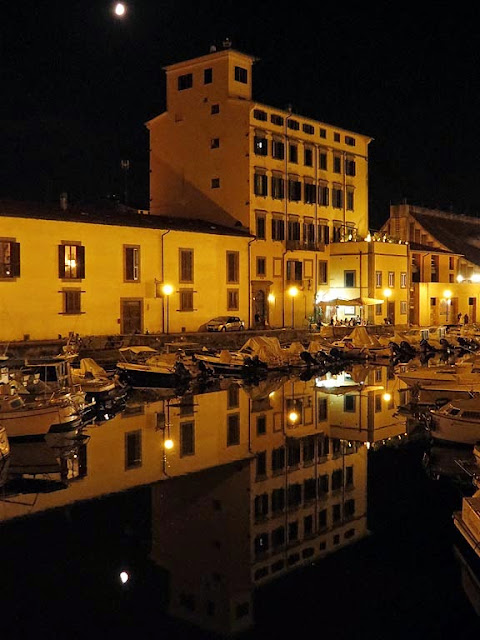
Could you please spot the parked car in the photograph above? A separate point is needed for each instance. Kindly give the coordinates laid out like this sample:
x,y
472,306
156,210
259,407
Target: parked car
x,y
225,323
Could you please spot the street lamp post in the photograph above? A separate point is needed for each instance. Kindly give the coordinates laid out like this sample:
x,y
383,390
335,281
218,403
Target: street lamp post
x,y
293,292
167,290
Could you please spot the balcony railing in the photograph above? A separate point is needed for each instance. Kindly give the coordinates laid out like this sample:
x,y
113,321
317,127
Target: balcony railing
x,y
302,245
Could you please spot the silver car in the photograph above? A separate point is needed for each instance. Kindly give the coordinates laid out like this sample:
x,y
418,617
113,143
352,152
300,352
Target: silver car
x,y
226,323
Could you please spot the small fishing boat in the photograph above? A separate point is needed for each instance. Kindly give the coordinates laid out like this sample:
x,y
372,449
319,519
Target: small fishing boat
x,y
143,366
457,421
25,416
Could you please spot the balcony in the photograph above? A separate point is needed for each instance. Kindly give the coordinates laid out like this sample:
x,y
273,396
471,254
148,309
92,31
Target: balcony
x,y
301,245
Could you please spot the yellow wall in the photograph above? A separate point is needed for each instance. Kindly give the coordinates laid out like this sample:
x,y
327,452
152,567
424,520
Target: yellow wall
x,y
32,304
183,164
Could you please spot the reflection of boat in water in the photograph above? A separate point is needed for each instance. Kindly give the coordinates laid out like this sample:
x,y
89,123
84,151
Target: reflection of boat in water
x,y
359,344
466,373
467,522
45,466
457,421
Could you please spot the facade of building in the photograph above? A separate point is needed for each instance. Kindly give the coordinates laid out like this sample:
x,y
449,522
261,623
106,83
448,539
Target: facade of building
x,y
444,250
299,186
105,272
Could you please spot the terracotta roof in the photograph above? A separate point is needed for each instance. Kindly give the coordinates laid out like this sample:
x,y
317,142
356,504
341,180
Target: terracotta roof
x,y
113,214
459,233
415,246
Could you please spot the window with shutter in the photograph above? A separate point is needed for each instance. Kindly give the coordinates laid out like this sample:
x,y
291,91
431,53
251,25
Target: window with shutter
x,y
232,266
186,265
71,261
132,263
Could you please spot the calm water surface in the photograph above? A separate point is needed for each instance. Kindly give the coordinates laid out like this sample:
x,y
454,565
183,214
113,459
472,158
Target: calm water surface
x,y
288,507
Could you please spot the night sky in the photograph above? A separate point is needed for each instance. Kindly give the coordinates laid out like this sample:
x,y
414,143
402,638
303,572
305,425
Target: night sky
x,y
78,85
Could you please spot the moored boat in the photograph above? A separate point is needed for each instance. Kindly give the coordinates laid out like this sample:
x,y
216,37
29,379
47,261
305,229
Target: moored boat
x,y
4,443
457,421
143,366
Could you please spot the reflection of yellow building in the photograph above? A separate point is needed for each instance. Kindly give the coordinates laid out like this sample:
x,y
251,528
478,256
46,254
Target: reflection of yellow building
x,y
299,185
444,262
253,483
102,273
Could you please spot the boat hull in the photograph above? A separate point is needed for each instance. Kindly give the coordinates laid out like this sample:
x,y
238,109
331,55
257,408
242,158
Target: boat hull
x,y
461,431
144,377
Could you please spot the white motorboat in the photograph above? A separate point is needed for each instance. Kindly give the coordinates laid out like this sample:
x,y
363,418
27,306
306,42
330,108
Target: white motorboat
x,y
457,421
27,416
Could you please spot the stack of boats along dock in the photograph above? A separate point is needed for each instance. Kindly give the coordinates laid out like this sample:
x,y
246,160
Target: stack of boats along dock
x,y
48,395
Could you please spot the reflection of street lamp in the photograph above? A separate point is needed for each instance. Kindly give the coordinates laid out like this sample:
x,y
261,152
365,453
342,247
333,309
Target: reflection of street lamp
x,y
447,294
167,291
293,417
293,292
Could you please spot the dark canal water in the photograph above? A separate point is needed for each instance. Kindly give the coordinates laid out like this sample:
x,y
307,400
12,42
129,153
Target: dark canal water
x,y
289,508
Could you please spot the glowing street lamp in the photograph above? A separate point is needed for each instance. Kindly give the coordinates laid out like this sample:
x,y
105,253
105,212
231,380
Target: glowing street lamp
x,y
167,291
293,292
387,293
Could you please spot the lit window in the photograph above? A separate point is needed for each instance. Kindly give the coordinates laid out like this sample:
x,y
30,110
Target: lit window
x,y
71,261
260,145
9,259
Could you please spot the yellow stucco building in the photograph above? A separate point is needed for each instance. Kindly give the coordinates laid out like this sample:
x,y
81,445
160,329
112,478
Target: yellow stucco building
x,y
444,259
103,272
300,186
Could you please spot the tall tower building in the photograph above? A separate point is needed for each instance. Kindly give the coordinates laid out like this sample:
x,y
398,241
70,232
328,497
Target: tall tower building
x,y
298,185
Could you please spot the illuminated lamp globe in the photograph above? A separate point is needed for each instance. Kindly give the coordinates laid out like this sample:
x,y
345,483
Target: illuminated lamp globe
x,y
293,416
387,293
168,444
167,289
293,291
120,9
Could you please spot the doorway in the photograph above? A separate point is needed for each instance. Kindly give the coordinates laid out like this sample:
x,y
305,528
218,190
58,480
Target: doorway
x,y
391,311
131,316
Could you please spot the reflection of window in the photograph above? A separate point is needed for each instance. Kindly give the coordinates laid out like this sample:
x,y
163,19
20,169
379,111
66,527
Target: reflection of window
x,y
378,279
233,429
261,425
322,409
233,396
71,261
187,439
391,278
9,259
132,264
349,403
133,449
294,270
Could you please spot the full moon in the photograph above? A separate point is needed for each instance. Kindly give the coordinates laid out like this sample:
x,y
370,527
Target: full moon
x,y
120,9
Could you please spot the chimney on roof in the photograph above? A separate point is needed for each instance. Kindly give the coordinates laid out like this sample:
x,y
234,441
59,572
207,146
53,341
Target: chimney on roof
x,y
227,43
63,201
213,48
